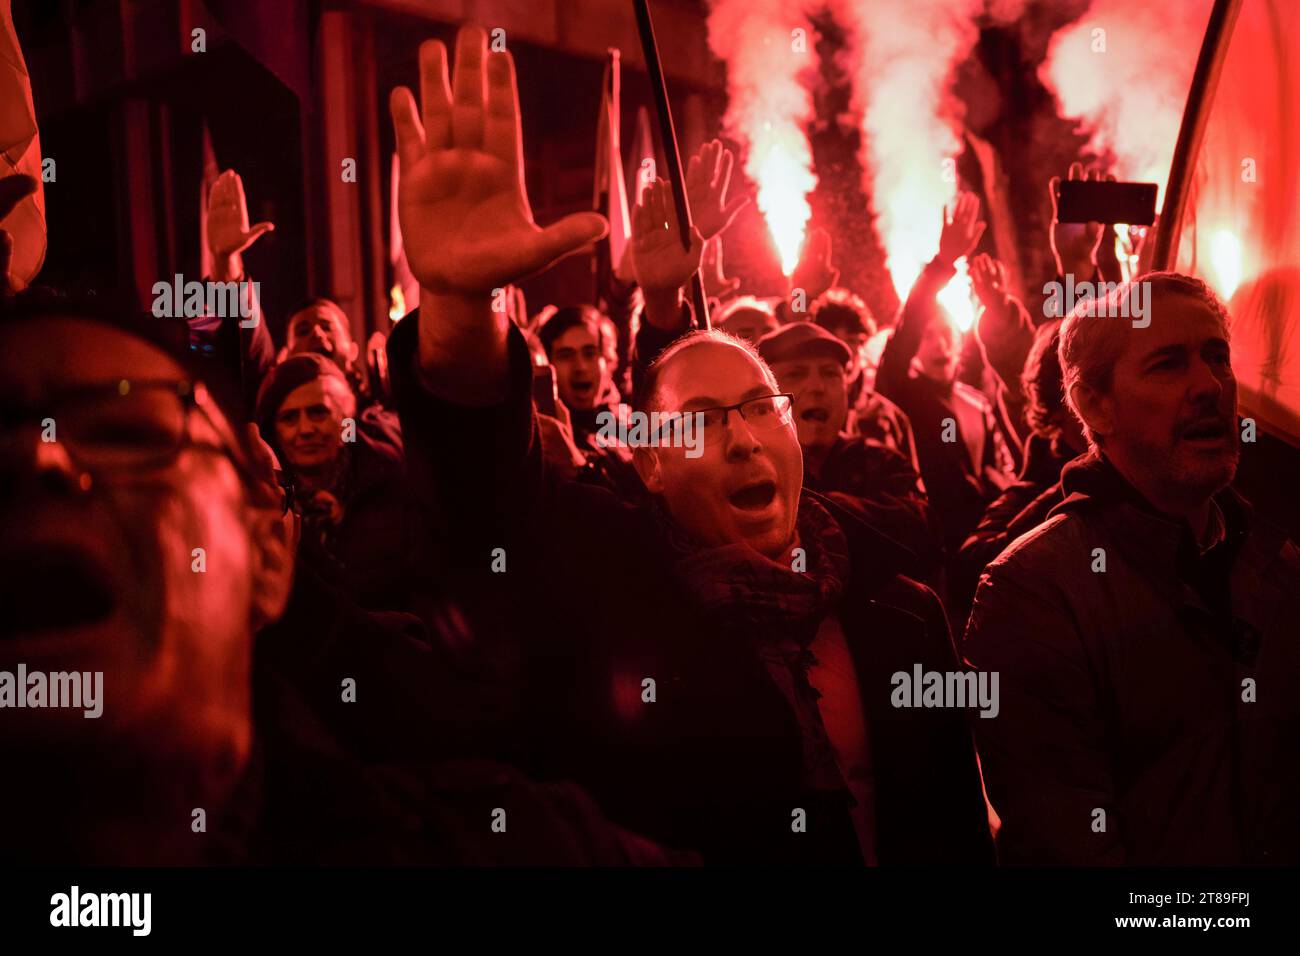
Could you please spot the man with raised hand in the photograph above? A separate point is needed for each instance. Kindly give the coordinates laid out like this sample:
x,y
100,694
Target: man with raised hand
x,y
1145,634
740,705
965,462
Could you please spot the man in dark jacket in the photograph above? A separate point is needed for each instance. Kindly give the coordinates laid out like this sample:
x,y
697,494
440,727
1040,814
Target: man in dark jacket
x,y
1145,635
877,481
1055,440
741,705
581,345
965,462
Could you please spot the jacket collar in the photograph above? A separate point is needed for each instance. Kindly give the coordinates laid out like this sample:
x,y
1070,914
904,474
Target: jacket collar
x,y
1165,545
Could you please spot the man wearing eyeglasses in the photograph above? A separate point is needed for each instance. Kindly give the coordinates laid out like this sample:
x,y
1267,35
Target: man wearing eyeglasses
x,y
716,665
137,539
144,539
863,475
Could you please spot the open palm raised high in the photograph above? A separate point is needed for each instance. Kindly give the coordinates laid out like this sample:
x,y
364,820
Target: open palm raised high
x,y
466,222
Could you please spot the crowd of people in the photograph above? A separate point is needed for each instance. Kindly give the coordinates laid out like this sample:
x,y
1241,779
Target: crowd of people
x,y
420,608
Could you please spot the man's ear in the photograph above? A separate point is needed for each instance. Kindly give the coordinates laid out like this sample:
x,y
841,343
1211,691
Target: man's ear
x,y
1096,410
274,548
353,352
646,462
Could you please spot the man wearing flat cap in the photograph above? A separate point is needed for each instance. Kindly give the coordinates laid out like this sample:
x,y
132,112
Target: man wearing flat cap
x,y
880,484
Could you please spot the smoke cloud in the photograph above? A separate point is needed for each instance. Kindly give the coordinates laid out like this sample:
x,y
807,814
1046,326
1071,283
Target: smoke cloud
x,y
1123,69
767,46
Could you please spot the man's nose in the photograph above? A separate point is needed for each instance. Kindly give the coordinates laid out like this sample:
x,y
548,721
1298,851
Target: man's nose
x,y
1205,381
31,460
741,442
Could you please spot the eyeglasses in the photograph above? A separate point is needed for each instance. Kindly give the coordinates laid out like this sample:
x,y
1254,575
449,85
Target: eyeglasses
x,y
137,425
764,413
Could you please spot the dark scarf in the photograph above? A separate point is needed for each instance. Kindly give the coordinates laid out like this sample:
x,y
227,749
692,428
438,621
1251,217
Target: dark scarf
x,y
779,610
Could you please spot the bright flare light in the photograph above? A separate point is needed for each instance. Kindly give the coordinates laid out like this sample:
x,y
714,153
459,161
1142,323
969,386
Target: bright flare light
x,y
784,181
766,45
902,56
1124,70
955,298
1226,262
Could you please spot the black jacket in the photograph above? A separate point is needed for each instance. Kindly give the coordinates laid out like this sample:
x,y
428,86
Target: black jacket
x,y
715,763
1122,689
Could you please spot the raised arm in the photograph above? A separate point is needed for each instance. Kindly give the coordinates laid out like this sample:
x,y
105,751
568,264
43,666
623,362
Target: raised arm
x,y
958,237
466,221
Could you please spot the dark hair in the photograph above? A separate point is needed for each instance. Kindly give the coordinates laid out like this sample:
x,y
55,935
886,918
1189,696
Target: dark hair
x,y
1043,382
562,320
838,308
313,301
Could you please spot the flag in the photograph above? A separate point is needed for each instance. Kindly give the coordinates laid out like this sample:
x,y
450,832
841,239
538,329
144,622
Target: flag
x,y
644,165
610,188
20,153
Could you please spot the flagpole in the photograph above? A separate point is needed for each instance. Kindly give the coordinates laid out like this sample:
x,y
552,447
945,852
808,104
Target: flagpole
x,y
601,263
669,136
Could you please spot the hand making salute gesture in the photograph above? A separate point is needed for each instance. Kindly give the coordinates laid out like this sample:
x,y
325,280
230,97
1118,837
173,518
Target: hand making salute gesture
x,y
464,212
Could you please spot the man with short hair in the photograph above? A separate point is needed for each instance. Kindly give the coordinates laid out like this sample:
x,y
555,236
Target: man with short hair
x,y
1056,440
581,343
1145,634
813,365
721,678
871,415
319,325
964,460
746,317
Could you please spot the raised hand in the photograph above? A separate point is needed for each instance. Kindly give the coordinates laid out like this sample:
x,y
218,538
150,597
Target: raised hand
x,y
988,279
961,232
815,272
229,233
1074,245
660,262
13,190
716,284
708,175
466,222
